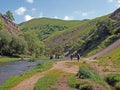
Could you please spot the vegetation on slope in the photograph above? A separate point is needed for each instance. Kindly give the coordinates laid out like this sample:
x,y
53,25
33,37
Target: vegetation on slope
x,y
114,56
86,37
44,27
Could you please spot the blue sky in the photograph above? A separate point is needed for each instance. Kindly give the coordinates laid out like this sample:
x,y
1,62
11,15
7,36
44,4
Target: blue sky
x,y
24,10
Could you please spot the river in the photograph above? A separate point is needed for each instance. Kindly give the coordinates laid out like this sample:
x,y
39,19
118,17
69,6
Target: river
x,y
16,68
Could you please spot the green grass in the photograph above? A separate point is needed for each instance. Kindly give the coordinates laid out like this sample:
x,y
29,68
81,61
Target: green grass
x,y
109,40
79,84
89,73
113,80
113,55
49,81
14,80
8,59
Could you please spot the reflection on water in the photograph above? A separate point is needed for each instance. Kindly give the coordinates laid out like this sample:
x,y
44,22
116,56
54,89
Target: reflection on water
x,y
16,68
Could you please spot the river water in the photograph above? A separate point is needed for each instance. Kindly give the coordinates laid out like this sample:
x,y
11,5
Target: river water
x,y
16,68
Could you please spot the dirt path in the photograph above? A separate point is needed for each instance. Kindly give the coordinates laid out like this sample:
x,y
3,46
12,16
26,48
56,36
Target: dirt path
x,y
106,50
29,83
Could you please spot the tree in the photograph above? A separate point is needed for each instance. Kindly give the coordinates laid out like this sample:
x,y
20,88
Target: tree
x,y
35,46
5,40
58,51
9,15
18,45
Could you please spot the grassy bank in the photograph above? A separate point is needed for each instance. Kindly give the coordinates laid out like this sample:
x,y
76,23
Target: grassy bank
x,y
8,59
14,80
49,81
113,56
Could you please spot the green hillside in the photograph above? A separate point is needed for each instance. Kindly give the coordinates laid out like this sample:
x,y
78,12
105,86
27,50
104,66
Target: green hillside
x,y
113,55
86,36
44,27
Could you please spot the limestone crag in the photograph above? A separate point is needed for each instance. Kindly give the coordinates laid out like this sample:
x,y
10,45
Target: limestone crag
x,y
10,25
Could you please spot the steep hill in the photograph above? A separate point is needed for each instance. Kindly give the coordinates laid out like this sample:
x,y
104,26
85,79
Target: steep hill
x,y
86,37
107,50
9,25
45,27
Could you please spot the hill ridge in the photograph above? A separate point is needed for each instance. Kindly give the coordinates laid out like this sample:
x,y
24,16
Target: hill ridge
x,y
9,25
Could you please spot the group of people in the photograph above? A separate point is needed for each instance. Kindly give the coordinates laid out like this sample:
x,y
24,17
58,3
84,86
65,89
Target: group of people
x,y
77,56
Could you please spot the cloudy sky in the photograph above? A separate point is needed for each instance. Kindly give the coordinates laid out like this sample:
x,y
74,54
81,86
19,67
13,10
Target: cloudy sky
x,y
24,10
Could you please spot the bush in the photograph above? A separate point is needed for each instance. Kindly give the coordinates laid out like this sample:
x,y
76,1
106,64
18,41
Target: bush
x,y
117,86
85,86
32,59
112,79
88,73
80,85
110,40
83,73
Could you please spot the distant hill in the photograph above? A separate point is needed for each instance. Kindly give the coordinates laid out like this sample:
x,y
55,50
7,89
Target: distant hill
x,y
86,36
45,27
10,25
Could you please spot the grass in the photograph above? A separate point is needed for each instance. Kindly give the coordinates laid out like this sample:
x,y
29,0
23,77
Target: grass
x,y
114,56
8,59
89,73
49,81
79,84
14,80
113,80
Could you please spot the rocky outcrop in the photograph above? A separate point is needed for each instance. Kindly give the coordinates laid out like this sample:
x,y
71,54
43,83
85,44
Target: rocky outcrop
x,y
10,26
116,15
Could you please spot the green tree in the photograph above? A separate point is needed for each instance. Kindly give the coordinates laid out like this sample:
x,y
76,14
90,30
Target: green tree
x,y
5,40
35,46
18,45
9,15
58,51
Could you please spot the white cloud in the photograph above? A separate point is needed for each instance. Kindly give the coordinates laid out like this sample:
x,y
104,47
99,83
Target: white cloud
x,y
20,11
84,14
68,18
30,1
55,17
110,1
118,3
28,17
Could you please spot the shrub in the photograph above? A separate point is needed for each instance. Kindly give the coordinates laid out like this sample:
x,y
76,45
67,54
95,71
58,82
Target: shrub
x,y
83,73
78,84
32,59
117,86
88,73
112,79
85,86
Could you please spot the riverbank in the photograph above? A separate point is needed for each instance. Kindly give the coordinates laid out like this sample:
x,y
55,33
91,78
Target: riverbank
x,y
14,80
8,59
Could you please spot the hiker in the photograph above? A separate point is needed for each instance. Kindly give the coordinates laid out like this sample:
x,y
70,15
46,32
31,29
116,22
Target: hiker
x,y
71,56
78,57
51,57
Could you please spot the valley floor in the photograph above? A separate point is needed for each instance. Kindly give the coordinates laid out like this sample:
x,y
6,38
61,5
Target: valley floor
x,y
68,67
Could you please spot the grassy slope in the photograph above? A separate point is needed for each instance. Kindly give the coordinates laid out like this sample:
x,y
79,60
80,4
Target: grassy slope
x,y
72,31
47,26
114,55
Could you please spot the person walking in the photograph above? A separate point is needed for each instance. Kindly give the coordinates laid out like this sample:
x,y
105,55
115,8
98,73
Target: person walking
x,y
78,57
71,56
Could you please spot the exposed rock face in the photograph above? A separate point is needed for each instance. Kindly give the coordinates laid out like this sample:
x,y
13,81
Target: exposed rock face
x,y
116,15
9,25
